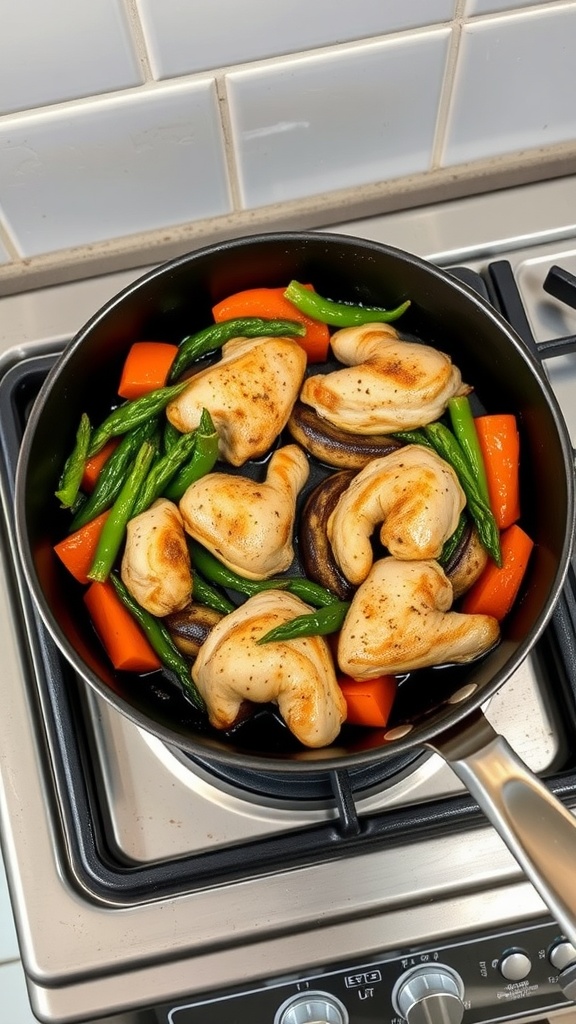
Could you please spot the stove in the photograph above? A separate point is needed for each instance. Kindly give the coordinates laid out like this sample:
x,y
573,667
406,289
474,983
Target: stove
x,y
151,887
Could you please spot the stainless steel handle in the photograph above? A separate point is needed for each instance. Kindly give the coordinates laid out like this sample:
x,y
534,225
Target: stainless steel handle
x,y
538,830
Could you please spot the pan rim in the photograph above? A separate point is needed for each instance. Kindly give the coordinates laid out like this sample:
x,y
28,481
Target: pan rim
x,y
309,761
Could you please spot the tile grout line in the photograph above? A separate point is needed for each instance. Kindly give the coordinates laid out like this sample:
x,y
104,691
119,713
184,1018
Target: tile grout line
x,y
229,147
138,39
445,102
7,241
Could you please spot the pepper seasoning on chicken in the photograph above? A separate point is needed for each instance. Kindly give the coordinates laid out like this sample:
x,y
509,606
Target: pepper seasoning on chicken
x,y
400,620
249,393
414,494
386,385
248,525
298,675
156,563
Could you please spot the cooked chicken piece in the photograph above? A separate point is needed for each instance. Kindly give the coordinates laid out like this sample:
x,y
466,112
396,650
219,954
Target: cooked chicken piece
x,y
298,675
156,563
413,493
248,525
249,394
387,385
399,620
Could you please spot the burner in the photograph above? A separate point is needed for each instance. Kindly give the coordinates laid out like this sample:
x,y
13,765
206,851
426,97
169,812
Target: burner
x,y
314,786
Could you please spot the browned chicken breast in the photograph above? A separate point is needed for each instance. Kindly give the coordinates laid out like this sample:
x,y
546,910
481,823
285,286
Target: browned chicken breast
x,y
400,620
248,525
413,493
249,394
298,675
387,384
156,563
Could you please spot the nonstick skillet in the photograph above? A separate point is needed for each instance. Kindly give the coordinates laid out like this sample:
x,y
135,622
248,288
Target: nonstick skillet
x,y
444,711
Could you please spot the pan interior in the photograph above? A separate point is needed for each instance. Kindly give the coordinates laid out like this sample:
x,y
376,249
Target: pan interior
x,y
175,301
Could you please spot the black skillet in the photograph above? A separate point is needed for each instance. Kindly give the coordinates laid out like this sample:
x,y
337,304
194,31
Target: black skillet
x,y
441,709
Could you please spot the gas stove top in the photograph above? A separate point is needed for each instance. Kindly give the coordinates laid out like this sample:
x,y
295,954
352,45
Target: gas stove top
x,y
144,882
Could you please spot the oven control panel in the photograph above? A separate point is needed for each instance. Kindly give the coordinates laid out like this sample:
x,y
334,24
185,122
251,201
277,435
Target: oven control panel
x,y
492,978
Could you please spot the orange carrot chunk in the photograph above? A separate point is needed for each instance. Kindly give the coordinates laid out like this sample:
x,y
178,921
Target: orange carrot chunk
x,y
369,701
496,589
500,446
94,465
125,644
270,304
78,549
146,368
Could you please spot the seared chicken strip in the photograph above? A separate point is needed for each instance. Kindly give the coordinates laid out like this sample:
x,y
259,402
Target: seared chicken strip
x,y
249,394
413,493
156,563
298,675
387,385
248,525
399,620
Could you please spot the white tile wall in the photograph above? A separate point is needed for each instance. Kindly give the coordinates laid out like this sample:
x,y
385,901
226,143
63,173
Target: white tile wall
x,y
290,142
187,37
124,118
489,6
113,166
61,49
515,84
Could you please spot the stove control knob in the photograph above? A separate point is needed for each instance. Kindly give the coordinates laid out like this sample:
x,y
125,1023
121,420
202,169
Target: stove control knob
x,y
312,1008
562,955
515,965
431,994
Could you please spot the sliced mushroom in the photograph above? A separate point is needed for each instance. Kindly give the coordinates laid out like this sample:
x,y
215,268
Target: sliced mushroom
x,y
469,563
333,445
315,548
191,627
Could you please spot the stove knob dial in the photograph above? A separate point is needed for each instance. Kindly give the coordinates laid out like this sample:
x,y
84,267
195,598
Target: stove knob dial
x,y
431,994
562,955
312,1008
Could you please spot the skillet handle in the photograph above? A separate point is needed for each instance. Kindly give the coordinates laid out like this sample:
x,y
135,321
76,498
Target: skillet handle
x,y
538,830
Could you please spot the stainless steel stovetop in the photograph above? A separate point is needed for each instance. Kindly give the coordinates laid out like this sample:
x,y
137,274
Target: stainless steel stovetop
x,y
89,952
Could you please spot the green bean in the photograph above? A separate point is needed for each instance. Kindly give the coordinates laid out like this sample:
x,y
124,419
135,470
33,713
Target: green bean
x,y
338,314
448,449
318,623
464,428
413,437
160,640
162,472
169,437
203,459
450,546
132,414
73,471
203,593
112,475
114,528
212,338
215,572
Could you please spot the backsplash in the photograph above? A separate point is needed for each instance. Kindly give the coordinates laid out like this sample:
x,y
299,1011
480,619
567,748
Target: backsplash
x,y
132,130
